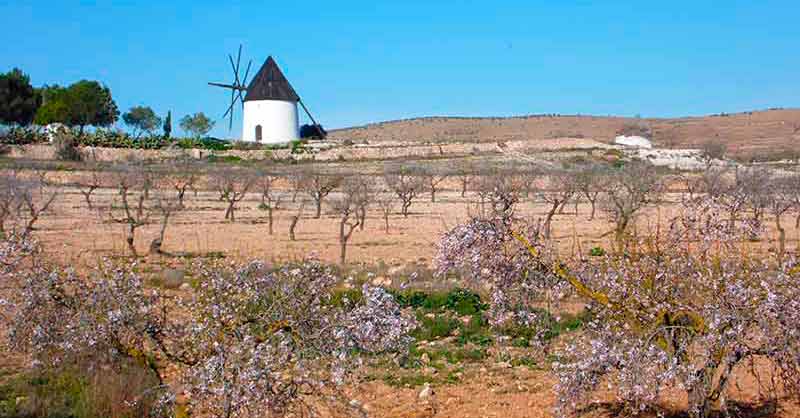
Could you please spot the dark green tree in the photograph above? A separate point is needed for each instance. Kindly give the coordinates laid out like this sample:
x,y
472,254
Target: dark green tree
x,y
168,125
18,99
85,103
141,119
198,124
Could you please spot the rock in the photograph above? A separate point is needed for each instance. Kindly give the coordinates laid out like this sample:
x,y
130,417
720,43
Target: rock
x,y
173,278
355,403
381,282
503,365
425,358
426,392
186,287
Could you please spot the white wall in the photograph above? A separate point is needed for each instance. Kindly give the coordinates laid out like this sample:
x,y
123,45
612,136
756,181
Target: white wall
x,y
278,120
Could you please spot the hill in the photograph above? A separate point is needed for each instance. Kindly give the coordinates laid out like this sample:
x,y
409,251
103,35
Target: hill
x,y
757,134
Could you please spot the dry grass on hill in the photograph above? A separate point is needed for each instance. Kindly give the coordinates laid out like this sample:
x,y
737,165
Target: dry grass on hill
x,y
746,134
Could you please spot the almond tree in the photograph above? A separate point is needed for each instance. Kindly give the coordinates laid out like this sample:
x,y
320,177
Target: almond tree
x,y
183,176
232,185
346,205
249,340
626,192
386,201
405,184
35,197
684,316
165,205
294,219
561,188
270,198
89,181
433,177
780,200
588,181
319,185
133,184
689,311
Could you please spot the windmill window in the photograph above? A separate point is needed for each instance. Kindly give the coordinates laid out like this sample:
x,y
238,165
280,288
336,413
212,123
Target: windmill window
x,y
258,133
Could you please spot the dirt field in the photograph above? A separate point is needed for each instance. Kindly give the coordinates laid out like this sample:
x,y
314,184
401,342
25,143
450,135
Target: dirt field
x,y
73,233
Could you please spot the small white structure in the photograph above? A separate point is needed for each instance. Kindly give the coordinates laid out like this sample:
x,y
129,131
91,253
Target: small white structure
x,y
270,107
633,141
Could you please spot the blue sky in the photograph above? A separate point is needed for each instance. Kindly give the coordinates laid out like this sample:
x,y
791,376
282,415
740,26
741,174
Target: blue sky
x,y
355,62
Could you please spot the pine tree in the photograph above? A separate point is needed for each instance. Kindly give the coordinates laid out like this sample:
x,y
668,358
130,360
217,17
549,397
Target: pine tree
x,y
168,125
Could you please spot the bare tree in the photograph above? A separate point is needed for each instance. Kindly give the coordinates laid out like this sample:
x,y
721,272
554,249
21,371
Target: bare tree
x,y
133,187
753,184
88,182
183,177
319,185
270,198
295,219
433,176
405,184
560,189
165,205
35,198
386,201
23,199
346,205
780,201
627,191
232,185
588,181
465,174
366,197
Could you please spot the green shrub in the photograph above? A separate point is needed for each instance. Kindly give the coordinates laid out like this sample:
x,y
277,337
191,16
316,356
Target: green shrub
x,y
460,301
476,331
438,326
597,252
465,302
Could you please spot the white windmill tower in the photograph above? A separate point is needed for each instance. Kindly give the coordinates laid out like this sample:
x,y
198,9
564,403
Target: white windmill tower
x,y
269,105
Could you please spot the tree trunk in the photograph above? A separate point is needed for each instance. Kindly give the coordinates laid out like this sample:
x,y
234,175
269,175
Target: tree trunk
x,y
319,208
269,216
406,205
130,239
362,218
342,242
229,213
781,239
700,393
386,220
433,195
292,226
591,217
87,195
464,187
548,221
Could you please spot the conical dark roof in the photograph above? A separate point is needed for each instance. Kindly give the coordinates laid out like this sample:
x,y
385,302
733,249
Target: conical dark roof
x,y
270,84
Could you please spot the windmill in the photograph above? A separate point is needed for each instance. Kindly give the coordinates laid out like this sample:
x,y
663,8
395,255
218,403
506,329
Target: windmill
x,y
236,88
269,104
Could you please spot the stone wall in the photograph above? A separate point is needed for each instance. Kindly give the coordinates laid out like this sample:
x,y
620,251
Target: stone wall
x,y
325,151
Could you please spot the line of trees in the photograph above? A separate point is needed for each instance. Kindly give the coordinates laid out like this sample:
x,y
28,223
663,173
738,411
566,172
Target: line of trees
x,y
82,104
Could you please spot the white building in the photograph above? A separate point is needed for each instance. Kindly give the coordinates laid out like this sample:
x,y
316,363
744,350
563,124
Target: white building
x,y
270,107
